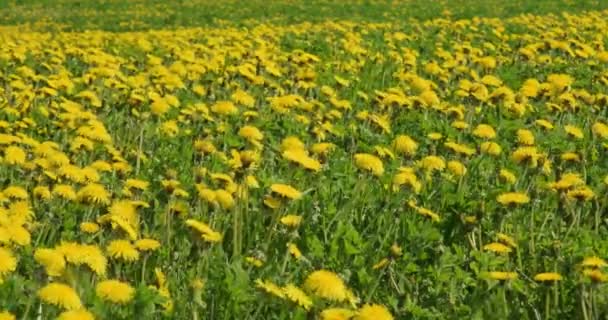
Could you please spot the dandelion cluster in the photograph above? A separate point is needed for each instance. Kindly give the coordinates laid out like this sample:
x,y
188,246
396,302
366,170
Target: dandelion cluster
x,y
341,169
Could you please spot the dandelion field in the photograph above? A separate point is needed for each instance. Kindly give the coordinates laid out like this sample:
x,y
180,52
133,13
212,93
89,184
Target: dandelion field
x,y
361,160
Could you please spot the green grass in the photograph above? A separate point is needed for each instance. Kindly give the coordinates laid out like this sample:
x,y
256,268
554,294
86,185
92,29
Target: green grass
x,y
119,15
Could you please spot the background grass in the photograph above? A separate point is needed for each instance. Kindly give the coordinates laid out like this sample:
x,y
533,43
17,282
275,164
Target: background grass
x,y
119,15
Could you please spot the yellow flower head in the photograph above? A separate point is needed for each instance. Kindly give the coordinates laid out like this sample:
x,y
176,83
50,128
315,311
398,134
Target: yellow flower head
x,y
369,162
291,220
115,291
373,312
327,285
79,314
548,277
123,250
286,191
61,295
511,198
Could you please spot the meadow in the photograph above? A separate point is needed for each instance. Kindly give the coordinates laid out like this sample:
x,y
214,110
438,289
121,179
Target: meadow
x,y
332,160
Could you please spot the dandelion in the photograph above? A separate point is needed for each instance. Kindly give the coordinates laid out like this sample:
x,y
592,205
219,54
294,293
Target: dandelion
x,y
206,232
327,285
5,315
507,176
373,312
432,163
52,260
594,262
595,275
405,145
89,227
79,314
497,247
147,245
14,156
61,295
574,131
548,277
270,288
8,262
291,220
501,275
254,262
581,193
491,148
513,198
286,191
369,162
484,131
123,249
297,296
115,291
336,314
525,137
94,193
294,250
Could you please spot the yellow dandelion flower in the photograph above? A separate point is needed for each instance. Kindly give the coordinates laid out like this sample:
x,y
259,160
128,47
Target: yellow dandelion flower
x,y
405,145
508,240
484,131
80,314
254,262
64,191
286,191
600,130
497,247
206,232
369,162
594,262
52,260
94,193
507,176
595,275
457,168
270,288
5,315
544,124
373,312
291,220
60,295
512,198
42,192
89,255
297,296
574,131
500,275
115,291
327,285
251,133
432,163
14,156
147,244
336,314
548,277
294,250
224,198
15,192
491,148
89,227
8,262
123,250
525,137
581,193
